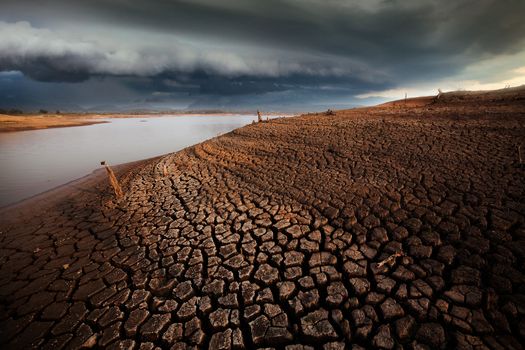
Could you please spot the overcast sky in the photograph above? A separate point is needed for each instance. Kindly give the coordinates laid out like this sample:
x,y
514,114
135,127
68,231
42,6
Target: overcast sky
x,y
248,54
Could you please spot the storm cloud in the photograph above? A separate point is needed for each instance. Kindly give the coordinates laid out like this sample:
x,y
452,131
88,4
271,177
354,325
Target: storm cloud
x,y
283,51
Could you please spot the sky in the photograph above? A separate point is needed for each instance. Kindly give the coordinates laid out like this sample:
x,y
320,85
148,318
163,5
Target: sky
x,y
275,55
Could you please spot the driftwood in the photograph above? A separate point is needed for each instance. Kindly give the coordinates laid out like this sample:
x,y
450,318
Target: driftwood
x,y
113,181
390,260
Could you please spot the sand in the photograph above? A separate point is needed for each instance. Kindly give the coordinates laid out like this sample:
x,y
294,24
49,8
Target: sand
x,y
11,123
374,228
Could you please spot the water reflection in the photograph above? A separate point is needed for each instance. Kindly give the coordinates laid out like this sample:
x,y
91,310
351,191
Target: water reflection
x,y
38,160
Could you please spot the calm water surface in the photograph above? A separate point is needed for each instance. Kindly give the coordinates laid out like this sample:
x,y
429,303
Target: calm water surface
x,y
35,161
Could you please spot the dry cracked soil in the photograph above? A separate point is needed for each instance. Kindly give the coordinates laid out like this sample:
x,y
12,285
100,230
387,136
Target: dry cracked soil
x,y
393,227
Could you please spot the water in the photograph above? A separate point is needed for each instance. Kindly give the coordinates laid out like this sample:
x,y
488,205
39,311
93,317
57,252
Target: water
x,y
35,161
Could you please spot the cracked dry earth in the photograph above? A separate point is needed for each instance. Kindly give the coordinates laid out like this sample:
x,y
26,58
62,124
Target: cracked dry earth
x,y
393,228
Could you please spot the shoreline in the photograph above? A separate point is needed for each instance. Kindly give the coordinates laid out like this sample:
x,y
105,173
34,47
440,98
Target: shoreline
x,y
9,124
14,123
96,179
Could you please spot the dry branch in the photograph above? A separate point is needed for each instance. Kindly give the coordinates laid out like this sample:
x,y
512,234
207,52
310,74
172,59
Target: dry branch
x,y
391,259
113,181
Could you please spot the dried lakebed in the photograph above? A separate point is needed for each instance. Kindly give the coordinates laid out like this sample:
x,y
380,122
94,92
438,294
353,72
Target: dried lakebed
x,y
383,227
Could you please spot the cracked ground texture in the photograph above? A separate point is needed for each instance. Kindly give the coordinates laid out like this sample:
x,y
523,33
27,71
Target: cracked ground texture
x,y
389,227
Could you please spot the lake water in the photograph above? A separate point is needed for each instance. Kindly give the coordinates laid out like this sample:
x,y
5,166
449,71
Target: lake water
x,y
35,161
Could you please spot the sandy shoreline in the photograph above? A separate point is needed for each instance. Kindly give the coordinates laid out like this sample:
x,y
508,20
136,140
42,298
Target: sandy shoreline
x,y
96,182
373,227
13,123
9,123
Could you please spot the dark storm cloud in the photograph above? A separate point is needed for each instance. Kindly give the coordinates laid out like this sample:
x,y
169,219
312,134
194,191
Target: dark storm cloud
x,y
200,83
249,47
65,68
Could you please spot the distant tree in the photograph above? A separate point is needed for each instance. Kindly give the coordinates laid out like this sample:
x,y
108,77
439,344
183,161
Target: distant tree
x,y
57,112
42,111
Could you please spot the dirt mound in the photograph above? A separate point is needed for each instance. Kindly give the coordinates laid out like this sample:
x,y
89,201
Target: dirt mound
x,y
512,96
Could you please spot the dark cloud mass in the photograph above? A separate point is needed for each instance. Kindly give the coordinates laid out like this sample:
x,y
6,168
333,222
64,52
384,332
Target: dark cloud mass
x,y
233,53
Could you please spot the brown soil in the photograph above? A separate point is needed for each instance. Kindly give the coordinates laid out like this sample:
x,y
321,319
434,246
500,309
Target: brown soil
x,y
379,227
9,123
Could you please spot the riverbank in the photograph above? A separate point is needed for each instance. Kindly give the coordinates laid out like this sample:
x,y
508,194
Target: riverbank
x,y
376,227
12,123
36,161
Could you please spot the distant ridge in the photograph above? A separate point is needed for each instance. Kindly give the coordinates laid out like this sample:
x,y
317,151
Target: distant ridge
x,y
459,97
